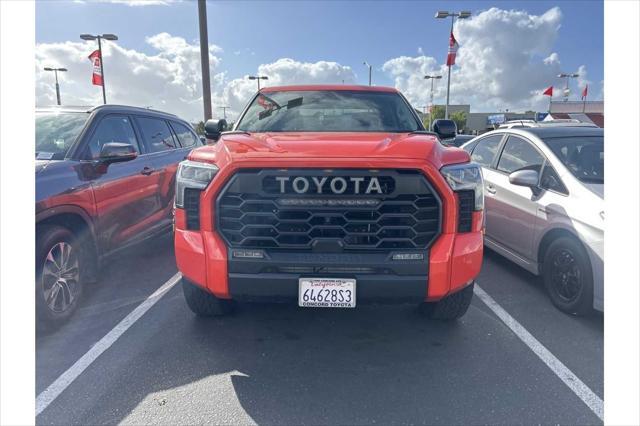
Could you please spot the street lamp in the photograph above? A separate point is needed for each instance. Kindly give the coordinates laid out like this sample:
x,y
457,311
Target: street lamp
x,y
258,78
365,63
460,15
55,70
431,77
111,37
567,76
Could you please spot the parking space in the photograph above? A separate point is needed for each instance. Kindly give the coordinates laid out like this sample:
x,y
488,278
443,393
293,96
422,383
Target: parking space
x,y
283,364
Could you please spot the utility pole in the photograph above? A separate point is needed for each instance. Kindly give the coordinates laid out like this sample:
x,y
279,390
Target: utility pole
x,y
365,63
431,77
204,59
98,37
55,70
258,78
453,15
224,111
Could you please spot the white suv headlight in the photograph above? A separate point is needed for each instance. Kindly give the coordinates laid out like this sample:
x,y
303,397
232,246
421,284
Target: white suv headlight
x,y
193,174
467,176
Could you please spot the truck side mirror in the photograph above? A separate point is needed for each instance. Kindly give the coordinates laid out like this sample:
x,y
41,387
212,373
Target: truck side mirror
x,y
213,128
445,129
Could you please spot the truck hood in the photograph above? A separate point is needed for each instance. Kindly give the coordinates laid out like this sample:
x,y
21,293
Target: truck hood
x,y
238,146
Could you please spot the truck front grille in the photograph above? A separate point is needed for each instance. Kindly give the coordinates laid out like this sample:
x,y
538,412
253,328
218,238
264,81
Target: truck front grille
x,y
404,214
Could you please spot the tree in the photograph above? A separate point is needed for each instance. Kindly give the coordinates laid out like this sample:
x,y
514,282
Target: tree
x,y
460,117
199,128
437,113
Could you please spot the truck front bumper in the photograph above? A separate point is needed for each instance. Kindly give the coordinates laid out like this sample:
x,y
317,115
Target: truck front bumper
x,y
449,265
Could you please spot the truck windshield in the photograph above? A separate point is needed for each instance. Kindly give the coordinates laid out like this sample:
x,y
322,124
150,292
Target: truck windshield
x,y
583,156
56,132
329,111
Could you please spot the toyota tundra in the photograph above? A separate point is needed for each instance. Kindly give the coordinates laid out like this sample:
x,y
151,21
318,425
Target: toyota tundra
x,y
328,196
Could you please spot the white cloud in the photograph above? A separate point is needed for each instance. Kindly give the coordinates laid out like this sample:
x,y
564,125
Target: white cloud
x,y
131,2
287,71
505,60
168,80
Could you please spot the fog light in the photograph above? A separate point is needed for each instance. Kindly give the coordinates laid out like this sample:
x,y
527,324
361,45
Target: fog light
x,y
248,254
408,256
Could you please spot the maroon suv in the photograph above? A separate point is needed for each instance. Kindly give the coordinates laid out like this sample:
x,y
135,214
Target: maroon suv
x,y
105,180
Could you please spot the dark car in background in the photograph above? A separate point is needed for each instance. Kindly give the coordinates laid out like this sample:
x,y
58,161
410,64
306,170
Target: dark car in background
x,y
105,180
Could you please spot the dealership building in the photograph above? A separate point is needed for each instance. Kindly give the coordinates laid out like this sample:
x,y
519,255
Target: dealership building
x,y
480,122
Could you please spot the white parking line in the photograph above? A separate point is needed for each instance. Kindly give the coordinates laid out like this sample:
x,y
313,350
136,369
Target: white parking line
x,y
54,390
559,369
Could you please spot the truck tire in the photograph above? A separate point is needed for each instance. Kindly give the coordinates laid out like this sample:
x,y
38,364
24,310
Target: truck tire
x,y
203,303
451,307
568,277
60,268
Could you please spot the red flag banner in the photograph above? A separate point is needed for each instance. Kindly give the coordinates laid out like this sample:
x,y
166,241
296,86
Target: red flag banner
x,y
453,49
584,92
96,59
549,91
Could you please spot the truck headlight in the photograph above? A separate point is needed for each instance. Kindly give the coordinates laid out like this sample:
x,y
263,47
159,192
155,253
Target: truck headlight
x,y
467,176
193,174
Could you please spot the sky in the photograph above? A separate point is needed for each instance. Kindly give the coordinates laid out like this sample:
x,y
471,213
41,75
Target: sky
x,y
510,51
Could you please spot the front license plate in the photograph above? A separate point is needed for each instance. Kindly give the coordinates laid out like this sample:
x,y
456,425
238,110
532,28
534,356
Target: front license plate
x,y
327,292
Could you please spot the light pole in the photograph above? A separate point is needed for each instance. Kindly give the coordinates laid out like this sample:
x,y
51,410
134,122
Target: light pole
x,y
258,78
204,58
431,77
567,76
55,70
453,15
98,37
224,111
365,63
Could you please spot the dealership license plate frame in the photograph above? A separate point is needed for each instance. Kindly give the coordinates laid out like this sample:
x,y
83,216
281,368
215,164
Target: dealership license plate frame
x,y
313,283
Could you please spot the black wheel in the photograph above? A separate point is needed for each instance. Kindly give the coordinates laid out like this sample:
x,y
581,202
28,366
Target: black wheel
x,y
203,303
451,307
59,276
568,277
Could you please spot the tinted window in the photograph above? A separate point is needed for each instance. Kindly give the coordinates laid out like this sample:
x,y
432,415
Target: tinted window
x,y
583,156
156,134
486,149
519,154
112,128
550,180
55,133
329,111
185,136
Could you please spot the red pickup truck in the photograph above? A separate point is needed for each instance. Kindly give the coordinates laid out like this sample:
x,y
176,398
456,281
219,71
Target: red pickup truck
x,y
329,196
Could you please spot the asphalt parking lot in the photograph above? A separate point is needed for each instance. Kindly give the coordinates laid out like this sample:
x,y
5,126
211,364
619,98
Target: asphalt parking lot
x,y
282,364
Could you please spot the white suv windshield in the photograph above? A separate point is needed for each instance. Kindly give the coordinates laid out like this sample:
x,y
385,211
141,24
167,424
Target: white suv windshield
x,y
329,111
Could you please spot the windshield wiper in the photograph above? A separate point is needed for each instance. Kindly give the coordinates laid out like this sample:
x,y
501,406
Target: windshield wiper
x,y
292,103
